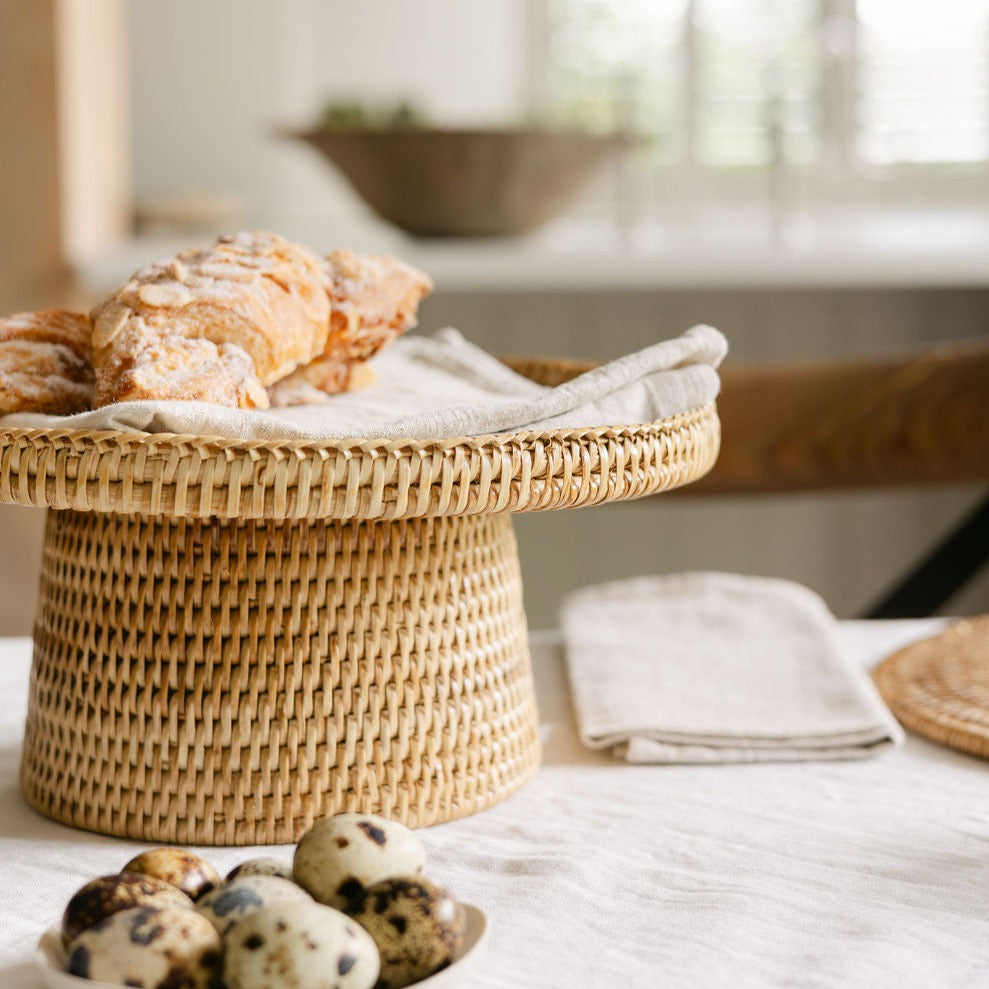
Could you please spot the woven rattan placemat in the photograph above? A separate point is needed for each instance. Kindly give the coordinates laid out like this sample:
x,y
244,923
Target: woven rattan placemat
x,y
939,687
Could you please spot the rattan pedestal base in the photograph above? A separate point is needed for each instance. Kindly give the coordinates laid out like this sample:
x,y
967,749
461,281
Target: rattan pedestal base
x,y
226,682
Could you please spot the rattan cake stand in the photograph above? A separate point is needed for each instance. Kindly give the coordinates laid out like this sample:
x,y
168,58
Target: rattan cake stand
x,y
236,638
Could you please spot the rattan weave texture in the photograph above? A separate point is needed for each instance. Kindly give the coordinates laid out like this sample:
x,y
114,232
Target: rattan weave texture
x,y
229,682
939,687
196,477
235,638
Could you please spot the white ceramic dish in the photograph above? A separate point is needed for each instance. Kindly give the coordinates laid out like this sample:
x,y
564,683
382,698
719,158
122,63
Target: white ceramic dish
x,y
51,958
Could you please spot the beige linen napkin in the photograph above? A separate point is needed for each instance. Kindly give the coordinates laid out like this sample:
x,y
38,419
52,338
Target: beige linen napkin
x,y
440,386
714,667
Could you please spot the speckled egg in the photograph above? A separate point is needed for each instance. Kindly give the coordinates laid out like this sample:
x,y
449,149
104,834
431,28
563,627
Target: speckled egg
x,y
151,948
193,875
340,855
102,897
416,924
226,904
298,946
263,866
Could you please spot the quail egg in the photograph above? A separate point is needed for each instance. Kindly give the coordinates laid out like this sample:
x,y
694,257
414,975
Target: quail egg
x,y
263,866
149,947
192,875
340,855
226,904
107,895
416,924
298,946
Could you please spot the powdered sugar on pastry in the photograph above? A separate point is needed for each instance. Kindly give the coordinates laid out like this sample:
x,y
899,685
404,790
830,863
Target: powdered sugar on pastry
x,y
216,324
292,391
256,291
187,368
314,383
375,299
44,362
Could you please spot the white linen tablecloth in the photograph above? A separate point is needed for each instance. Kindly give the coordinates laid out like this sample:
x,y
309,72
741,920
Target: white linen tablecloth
x,y
602,874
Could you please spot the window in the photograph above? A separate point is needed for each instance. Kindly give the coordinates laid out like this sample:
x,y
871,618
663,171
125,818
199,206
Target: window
x,y
923,94
849,91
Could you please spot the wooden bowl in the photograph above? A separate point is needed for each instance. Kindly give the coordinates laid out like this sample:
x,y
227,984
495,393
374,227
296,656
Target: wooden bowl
x,y
439,182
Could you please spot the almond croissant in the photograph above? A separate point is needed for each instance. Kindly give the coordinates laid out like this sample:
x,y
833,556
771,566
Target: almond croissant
x,y
374,300
216,324
257,306
44,362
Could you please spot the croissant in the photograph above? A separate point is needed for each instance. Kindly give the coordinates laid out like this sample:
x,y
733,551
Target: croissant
x,y
374,299
216,324
173,367
44,362
256,305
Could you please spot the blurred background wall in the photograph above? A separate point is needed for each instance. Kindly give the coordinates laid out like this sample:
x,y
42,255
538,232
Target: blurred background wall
x,y
213,82
145,127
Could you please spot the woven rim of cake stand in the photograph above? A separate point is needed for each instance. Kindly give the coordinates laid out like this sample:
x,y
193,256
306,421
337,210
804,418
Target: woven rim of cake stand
x,y
199,477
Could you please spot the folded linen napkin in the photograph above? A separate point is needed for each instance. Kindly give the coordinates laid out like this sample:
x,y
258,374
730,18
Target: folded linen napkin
x,y
440,386
715,667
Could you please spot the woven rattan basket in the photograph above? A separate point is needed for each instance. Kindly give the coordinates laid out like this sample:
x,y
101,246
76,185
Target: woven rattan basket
x,y
939,686
235,638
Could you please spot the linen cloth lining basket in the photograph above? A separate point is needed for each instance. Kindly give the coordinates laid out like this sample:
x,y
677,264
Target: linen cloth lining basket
x,y
236,638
